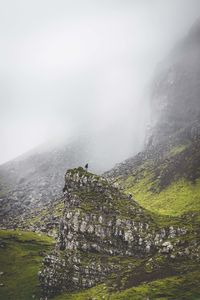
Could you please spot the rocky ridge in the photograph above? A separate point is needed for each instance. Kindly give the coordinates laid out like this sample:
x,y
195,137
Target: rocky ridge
x,y
99,229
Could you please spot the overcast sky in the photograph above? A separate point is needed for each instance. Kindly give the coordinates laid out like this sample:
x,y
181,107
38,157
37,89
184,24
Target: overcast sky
x,y
71,67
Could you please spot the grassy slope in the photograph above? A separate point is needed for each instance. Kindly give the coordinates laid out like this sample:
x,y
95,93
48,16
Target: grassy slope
x,y
179,195
174,287
167,205
159,278
20,260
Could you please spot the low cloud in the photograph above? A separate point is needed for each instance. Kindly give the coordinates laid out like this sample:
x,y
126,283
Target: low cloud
x,y
74,68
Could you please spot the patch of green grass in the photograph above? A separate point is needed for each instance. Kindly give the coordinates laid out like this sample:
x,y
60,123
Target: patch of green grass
x,y
183,287
20,261
41,217
22,236
169,184
180,197
174,287
98,292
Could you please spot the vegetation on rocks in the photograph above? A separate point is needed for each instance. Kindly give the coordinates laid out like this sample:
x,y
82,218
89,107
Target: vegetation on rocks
x,y
170,288
121,246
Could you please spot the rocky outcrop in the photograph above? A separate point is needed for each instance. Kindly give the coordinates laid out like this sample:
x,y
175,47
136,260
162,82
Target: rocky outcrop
x,y
100,217
99,223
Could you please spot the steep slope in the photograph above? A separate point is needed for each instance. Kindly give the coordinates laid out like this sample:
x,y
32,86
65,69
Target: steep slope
x,y
176,90
165,177
170,288
34,181
106,237
98,222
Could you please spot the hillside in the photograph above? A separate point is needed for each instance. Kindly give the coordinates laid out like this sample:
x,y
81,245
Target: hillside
x,y
34,181
21,255
108,247
165,177
106,238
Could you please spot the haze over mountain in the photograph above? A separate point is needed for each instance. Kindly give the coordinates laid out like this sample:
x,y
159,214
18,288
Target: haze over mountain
x,y
36,178
82,69
165,176
74,80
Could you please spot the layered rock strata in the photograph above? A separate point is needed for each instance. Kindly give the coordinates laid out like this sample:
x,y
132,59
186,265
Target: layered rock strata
x,y
99,223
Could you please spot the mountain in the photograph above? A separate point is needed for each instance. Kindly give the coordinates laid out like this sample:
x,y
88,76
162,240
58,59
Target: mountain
x,y
35,180
165,177
108,247
133,233
100,243
176,89
107,237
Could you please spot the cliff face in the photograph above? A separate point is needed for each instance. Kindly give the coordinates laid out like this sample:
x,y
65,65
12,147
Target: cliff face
x,y
176,90
99,217
102,230
171,155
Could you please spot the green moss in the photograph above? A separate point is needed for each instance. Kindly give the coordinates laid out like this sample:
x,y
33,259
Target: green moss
x,y
82,172
20,260
178,149
40,217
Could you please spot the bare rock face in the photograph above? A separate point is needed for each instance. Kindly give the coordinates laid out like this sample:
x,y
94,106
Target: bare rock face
x,y
99,221
176,91
98,217
100,227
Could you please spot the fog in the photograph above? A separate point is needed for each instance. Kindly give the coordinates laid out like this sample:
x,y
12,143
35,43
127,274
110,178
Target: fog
x,y
83,68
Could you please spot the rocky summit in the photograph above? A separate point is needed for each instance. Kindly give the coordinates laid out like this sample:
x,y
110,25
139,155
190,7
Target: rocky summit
x,y
102,231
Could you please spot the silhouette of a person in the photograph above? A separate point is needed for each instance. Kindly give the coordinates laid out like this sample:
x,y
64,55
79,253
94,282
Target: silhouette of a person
x,y
86,167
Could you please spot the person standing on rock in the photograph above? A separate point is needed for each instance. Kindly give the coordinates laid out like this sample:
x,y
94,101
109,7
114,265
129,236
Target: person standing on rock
x,y
86,167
